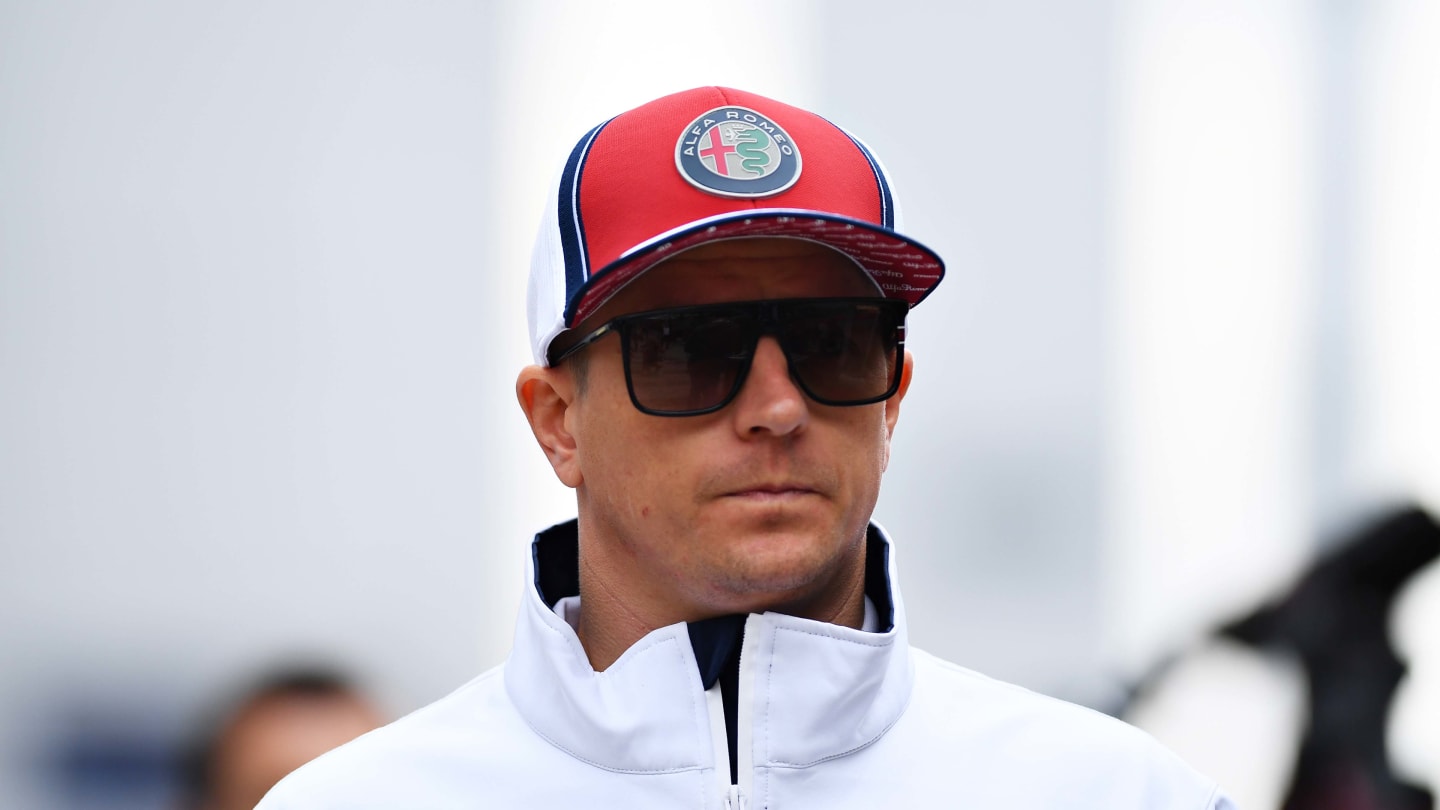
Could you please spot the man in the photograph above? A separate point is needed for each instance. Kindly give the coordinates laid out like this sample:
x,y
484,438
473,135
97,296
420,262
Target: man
x,y
288,719
717,304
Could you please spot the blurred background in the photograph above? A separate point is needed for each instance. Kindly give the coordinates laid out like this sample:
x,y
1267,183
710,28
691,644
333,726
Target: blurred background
x,y
262,273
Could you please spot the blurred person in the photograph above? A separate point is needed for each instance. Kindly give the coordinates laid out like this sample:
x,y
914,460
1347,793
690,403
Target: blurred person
x,y
285,721
1413,737
717,305
1337,624
1336,621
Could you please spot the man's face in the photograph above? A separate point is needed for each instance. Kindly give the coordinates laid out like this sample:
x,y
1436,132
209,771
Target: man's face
x,y
760,505
271,738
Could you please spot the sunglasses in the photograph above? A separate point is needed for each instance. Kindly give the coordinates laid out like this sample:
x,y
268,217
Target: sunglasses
x,y
688,361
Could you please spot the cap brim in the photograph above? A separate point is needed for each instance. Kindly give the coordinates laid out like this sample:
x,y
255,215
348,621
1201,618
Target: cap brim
x,y
901,267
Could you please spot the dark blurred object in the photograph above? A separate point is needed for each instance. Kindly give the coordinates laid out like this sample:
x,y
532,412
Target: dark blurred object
x,y
109,745
1336,622
285,720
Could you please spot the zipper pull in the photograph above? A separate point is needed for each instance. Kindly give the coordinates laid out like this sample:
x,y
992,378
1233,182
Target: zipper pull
x,y
735,800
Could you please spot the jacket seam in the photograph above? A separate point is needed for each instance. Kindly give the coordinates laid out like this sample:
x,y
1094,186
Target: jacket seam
x,y
769,674
862,746
587,760
884,642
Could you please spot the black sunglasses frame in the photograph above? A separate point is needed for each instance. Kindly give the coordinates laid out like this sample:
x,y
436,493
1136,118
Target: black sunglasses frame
x,y
768,316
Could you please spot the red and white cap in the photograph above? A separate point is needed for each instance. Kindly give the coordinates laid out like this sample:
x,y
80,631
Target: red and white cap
x,y
703,165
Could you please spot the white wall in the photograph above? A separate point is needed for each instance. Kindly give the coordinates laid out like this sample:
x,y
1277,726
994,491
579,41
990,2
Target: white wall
x,y
261,301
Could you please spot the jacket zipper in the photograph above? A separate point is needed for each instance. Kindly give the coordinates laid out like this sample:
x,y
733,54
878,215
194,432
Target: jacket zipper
x,y
722,746
737,794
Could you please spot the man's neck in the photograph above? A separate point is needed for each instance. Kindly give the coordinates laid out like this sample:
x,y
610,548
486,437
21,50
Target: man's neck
x,y
608,624
617,610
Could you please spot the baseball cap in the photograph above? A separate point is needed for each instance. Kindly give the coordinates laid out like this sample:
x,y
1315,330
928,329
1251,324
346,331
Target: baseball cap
x,y
700,166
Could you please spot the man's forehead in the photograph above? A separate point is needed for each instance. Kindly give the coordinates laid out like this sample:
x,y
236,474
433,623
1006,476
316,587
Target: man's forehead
x,y
742,270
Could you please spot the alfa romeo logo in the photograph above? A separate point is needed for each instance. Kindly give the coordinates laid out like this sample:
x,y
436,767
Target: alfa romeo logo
x,y
737,152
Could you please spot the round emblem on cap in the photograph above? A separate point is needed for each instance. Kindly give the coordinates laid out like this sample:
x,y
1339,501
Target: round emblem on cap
x,y
737,152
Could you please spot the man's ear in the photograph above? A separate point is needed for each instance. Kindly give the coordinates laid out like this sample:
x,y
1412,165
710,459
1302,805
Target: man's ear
x,y
546,395
892,405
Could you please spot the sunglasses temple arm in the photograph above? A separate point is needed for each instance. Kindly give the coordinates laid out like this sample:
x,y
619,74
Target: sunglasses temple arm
x,y
583,342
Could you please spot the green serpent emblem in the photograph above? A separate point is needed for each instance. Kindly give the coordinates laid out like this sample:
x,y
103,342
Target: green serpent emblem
x,y
750,146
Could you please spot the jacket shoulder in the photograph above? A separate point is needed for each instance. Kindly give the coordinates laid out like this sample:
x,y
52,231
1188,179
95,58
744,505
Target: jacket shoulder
x,y
1043,745
414,761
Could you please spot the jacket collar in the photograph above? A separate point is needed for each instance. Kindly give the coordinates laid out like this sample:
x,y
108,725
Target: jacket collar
x,y
817,691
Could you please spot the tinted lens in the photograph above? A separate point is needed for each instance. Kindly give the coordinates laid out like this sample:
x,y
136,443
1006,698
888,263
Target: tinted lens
x,y
843,353
694,359
679,363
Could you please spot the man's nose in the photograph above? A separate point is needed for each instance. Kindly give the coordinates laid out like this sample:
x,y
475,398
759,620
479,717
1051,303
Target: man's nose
x,y
770,401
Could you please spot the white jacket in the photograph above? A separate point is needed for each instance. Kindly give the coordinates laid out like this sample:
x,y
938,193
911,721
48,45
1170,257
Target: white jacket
x,y
827,717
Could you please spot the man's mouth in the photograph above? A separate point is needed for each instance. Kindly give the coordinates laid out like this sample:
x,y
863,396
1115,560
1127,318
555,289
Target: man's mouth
x,y
772,491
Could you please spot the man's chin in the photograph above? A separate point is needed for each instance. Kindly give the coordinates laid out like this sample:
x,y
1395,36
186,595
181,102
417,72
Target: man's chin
x,y
780,577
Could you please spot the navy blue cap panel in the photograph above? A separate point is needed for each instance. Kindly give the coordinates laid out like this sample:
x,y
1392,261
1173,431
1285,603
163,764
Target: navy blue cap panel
x,y
572,227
